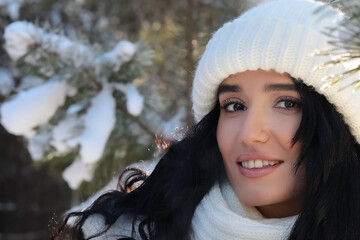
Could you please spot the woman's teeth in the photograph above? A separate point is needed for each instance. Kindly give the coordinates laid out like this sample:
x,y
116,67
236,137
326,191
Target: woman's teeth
x,y
257,163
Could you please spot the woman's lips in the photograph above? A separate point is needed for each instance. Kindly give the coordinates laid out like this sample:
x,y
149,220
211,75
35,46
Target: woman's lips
x,y
257,172
254,165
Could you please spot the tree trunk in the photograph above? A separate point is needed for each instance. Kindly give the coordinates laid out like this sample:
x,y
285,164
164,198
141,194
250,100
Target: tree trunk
x,y
190,28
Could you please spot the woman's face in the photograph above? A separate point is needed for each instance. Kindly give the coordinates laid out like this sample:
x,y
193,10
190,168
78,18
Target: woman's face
x,y
260,114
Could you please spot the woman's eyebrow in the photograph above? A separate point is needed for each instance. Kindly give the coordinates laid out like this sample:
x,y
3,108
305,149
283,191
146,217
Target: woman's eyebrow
x,y
279,87
223,88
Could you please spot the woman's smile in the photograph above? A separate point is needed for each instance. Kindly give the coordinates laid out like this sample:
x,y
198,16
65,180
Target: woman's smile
x,y
255,165
258,163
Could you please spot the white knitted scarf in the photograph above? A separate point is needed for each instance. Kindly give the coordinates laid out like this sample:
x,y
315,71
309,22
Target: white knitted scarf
x,y
221,216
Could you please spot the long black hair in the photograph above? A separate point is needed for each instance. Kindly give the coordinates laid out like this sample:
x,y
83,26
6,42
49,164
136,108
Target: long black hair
x,y
331,209
166,200
164,204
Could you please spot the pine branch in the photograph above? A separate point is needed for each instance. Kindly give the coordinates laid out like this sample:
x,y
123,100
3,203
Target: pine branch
x,y
346,44
137,120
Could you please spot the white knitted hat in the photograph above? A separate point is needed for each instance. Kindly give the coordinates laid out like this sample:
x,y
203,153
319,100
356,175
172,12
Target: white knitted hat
x,y
282,35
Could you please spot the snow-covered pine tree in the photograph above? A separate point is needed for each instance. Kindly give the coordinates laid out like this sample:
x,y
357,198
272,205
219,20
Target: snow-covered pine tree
x,y
72,106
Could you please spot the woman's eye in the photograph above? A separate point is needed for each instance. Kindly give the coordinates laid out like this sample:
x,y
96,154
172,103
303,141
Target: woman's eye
x,y
288,104
233,107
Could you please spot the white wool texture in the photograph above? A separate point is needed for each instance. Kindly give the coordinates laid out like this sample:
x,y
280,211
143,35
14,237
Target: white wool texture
x,y
280,35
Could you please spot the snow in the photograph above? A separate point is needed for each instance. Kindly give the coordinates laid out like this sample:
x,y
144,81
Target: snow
x,y
99,122
6,82
78,54
134,100
38,145
125,50
77,172
20,37
66,129
75,108
33,107
13,9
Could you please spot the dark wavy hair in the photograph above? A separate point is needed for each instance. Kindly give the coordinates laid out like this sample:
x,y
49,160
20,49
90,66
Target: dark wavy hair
x,y
165,202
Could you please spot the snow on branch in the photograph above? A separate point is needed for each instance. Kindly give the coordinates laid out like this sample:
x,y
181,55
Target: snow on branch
x,y
33,107
23,37
124,51
99,122
65,102
134,100
77,172
20,38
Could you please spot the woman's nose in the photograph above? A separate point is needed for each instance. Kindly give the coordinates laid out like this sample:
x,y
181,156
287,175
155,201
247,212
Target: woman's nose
x,y
254,128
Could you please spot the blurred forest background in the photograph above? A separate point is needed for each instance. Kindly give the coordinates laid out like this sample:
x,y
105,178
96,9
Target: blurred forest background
x,y
88,87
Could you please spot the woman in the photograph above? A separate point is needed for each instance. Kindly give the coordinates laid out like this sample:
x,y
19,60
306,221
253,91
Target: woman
x,y
274,154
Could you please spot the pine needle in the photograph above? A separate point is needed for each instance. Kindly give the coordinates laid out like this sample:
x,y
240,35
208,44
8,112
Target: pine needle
x,y
346,47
